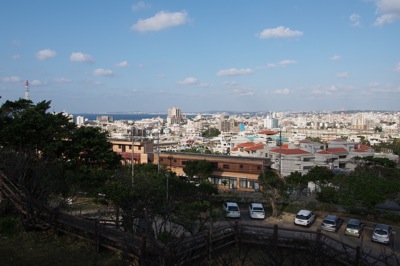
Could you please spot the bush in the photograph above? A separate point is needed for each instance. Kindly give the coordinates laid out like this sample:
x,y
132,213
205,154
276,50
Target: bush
x,y
8,225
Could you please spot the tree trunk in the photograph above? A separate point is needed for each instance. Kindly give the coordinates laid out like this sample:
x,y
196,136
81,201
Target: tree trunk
x,y
274,207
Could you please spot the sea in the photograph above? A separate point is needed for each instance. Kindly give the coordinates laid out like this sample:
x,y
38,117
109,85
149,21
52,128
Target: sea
x,y
133,117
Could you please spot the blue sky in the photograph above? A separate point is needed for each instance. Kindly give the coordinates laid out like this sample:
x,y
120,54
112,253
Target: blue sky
x,y
125,56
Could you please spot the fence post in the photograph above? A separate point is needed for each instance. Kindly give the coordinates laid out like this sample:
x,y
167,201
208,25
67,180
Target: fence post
x,y
96,233
318,235
207,245
143,250
358,256
275,236
236,230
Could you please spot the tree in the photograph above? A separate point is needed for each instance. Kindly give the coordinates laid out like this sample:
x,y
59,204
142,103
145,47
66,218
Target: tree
x,y
273,188
201,168
368,186
297,182
210,133
83,157
29,128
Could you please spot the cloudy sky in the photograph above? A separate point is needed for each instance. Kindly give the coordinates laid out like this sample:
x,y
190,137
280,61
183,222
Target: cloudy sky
x,y
125,56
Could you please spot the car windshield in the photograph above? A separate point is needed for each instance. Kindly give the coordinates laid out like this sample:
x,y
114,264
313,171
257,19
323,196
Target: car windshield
x,y
329,222
302,217
257,209
233,208
381,232
352,226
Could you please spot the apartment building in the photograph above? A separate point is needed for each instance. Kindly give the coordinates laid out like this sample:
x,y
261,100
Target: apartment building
x,y
143,150
229,173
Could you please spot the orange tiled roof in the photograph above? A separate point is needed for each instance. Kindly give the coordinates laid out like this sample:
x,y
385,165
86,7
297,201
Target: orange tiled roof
x,y
254,147
245,144
267,132
289,151
323,152
336,150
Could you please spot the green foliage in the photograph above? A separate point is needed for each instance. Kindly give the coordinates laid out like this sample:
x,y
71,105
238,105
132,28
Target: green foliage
x,y
46,154
8,225
201,168
273,188
210,133
31,129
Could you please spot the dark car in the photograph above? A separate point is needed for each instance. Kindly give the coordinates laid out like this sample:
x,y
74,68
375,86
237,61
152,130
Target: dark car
x,y
354,227
331,223
382,233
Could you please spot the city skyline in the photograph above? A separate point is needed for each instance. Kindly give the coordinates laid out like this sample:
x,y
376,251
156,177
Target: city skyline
x,y
146,56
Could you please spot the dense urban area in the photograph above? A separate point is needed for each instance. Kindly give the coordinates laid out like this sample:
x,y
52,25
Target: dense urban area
x,y
256,177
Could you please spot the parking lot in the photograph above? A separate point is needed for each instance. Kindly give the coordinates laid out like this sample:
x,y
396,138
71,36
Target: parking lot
x,y
286,220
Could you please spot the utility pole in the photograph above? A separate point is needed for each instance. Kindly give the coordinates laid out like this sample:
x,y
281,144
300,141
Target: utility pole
x,y
158,152
280,151
133,157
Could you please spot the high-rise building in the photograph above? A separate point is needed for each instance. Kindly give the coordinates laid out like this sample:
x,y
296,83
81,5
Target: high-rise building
x,y
174,115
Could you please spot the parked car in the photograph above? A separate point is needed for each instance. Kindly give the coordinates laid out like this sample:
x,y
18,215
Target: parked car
x,y
304,218
354,227
256,211
331,223
382,233
231,210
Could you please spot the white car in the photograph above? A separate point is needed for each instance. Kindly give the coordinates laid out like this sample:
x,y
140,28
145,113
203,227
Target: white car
x,y
231,210
304,218
256,211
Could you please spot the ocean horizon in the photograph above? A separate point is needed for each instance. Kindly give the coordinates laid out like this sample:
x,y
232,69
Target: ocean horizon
x,y
133,117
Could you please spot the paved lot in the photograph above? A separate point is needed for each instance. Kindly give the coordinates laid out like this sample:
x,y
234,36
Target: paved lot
x,y
286,221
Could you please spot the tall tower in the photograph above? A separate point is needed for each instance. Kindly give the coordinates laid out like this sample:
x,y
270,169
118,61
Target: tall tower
x,y
26,90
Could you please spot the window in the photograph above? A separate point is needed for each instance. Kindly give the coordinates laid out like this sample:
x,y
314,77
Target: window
x,y
184,162
226,166
248,183
123,148
140,148
258,167
241,166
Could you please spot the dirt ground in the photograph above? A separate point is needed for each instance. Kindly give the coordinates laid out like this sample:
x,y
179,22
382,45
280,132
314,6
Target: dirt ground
x,y
284,218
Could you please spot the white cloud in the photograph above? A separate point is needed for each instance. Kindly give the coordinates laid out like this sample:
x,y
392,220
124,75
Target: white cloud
x,y
282,91
140,5
388,11
279,32
388,88
355,20
81,57
122,64
12,79
234,72
161,20
37,83
342,75
271,65
189,81
287,62
103,72
243,92
62,80
45,54
16,57
397,67
336,58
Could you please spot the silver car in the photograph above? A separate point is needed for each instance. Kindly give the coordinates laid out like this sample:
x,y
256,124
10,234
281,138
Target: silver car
x,y
382,233
331,223
256,211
